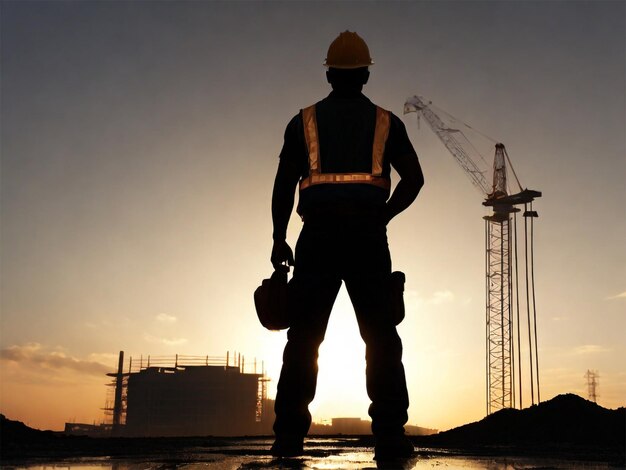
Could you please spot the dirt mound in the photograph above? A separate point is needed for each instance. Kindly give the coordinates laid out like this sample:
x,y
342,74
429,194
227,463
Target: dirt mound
x,y
565,423
17,431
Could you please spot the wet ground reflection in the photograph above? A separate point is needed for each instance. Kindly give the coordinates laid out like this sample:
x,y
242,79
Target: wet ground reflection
x,y
348,460
322,454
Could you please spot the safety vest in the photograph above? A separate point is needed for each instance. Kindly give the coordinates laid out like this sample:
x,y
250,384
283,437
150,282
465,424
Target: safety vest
x,y
374,178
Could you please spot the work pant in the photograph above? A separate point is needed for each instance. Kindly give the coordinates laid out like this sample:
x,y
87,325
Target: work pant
x,y
327,252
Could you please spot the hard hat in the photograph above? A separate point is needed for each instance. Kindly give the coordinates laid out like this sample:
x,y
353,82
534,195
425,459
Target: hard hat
x,y
348,51
271,300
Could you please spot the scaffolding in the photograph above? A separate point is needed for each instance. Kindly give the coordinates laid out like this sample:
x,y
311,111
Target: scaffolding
x,y
187,395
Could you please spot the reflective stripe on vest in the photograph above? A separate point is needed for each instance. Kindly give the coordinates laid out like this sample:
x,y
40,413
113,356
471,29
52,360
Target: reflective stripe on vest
x,y
375,178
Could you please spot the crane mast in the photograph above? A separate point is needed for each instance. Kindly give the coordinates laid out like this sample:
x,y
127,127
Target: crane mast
x,y
502,299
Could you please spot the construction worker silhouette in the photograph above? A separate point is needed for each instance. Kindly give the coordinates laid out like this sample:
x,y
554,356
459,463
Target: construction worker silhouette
x,y
340,152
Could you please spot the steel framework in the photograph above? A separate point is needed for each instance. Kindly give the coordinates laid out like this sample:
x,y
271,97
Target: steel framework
x,y
502,298
592,377
499,321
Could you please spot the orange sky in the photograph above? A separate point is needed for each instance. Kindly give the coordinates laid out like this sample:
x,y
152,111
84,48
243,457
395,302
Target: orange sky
x,y
139,145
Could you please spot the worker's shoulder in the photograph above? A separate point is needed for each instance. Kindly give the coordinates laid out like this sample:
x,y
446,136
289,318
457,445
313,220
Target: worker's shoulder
x,y
315,104
295,122
396,121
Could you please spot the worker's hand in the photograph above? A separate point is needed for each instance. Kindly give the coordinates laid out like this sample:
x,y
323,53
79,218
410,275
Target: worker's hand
x,y
282,256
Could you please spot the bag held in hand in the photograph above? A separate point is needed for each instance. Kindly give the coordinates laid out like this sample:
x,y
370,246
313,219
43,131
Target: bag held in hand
x,y
270,300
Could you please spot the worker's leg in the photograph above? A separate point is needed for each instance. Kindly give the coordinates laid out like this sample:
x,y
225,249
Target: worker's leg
x,y
367,285
314,290
386,384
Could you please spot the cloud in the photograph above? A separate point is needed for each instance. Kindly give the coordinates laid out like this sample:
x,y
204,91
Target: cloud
x,y
167,341
105,358
174,341
414,299
618,296
441,297
165,318
590,349
35,356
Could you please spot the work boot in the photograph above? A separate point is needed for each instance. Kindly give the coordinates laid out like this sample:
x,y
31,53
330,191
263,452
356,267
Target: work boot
x,y
287,446
393,447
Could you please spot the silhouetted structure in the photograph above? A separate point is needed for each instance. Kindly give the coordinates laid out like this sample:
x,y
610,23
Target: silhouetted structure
x,y
91,430
188,396
592,377
118,405
360,427
501,260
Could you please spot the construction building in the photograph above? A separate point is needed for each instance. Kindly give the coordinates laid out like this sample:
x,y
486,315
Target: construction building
x,y
197,396
188,396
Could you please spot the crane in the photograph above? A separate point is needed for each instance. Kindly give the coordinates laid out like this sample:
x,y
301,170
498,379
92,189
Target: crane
x,y
501,258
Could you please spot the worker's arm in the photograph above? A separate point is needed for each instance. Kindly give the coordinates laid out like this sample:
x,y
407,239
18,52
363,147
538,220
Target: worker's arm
x,y
411,181
285,184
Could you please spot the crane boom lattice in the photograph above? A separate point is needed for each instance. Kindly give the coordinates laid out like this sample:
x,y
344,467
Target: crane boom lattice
x,y
451,138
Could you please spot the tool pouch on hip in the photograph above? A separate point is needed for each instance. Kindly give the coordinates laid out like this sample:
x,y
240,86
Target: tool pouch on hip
x,y
396,296
271,301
